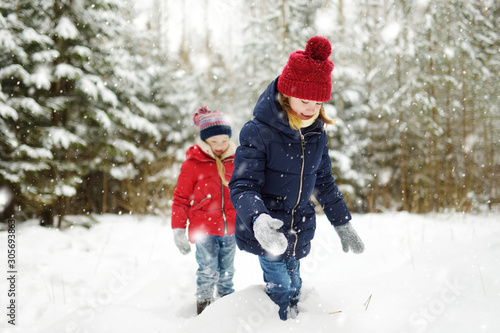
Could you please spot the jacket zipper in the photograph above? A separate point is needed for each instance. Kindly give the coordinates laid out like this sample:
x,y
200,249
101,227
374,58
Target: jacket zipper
x,y
223,211
302,144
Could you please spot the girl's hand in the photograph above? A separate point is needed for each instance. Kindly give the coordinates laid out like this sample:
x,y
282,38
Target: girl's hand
x,y
349,238
265,229
181,240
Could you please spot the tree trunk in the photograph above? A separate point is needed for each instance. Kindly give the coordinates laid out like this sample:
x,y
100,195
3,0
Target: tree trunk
x,y
465,204
434,156
284,22
104,192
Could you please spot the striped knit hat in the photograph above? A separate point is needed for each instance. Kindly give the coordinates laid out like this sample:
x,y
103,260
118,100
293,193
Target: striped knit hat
x,y
211,123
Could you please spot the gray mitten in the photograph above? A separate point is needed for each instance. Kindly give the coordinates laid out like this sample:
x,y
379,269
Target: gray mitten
x,y
265,229
181,240
349,238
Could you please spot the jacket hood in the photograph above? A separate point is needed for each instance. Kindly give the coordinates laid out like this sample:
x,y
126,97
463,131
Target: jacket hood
x,y
201,151
269,111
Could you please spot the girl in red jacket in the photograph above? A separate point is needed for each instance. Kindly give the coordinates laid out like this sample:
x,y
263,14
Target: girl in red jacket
x,y
202,198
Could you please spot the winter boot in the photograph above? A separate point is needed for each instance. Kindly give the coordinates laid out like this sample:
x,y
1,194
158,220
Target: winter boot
x,y
294,311
202,304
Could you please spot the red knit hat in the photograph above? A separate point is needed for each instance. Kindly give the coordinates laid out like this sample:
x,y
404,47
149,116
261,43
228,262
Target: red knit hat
x,y
307,75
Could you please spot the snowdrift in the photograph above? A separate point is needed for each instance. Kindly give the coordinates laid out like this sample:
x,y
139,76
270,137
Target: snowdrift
x,y
419,273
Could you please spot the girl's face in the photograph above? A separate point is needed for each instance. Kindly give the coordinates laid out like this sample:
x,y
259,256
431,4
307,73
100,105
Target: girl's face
x,y
218,144
303,108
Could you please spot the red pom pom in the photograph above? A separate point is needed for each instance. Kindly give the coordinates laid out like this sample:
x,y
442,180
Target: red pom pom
x,y
318,48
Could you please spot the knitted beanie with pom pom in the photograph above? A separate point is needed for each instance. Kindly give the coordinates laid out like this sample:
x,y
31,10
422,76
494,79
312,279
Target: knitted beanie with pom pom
x,y
307,75
211,123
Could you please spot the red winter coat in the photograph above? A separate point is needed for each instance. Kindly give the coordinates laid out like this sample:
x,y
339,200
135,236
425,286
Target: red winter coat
x,y
200,197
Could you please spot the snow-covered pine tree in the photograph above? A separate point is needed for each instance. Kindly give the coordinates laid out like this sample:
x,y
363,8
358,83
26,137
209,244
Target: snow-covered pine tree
x,y
425,71
477,67
73,101
361,148
450,93
31,82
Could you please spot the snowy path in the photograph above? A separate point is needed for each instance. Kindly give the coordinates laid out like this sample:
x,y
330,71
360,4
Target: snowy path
x,y
419,273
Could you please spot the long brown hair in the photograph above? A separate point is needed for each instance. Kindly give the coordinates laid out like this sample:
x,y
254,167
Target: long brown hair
x,y
293,118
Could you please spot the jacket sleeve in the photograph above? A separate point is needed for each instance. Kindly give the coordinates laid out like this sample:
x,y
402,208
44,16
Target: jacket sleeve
x,y
182,196
328,194
249,176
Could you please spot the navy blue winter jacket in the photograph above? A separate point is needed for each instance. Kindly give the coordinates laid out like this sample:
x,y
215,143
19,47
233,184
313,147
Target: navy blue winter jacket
x,y
277,170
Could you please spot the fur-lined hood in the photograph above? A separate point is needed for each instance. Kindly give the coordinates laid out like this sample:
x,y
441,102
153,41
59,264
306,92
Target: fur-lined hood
x,y
202,149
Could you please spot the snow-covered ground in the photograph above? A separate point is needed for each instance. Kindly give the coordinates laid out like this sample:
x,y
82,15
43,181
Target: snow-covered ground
x,y
419,273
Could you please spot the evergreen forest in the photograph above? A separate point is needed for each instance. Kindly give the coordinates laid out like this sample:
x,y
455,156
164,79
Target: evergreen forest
x,y
97,97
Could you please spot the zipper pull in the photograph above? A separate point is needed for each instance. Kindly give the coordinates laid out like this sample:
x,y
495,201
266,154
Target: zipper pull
x,y
302,139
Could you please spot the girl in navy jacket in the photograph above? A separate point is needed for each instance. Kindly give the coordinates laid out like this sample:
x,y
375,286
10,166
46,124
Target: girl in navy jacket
x,y
281,162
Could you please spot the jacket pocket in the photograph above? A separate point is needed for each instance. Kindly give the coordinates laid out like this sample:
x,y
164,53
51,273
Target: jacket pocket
x,y
307,210
203,202
311,206
273,202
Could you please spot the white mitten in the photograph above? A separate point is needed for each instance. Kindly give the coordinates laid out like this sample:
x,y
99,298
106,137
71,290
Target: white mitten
x,y
265,229
181,240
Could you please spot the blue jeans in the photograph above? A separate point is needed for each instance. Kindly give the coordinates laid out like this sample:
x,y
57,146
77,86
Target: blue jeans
x,y
283,282
215,257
